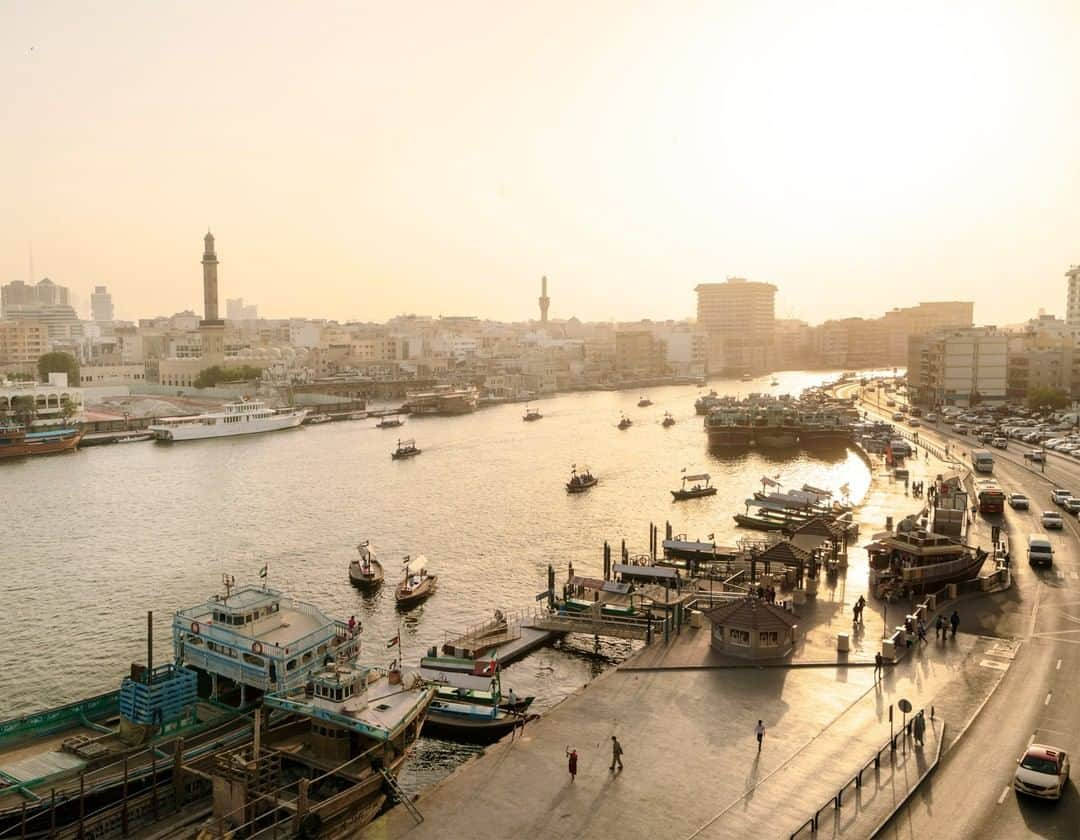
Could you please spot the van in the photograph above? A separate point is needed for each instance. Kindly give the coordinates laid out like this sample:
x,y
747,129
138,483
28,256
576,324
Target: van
x,y
1039,550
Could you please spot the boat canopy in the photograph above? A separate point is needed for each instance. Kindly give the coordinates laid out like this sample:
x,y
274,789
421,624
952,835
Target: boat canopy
x,y
649,572
702,477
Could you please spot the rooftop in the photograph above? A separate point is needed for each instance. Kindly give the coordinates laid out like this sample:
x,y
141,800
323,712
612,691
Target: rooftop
x,y
754,614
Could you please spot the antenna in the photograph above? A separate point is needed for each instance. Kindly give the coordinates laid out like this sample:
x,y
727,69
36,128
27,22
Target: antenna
x,y
30,248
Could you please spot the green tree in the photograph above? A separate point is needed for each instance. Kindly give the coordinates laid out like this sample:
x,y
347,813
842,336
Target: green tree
x,y
22,409
57,362
1055,398
211,376
67,408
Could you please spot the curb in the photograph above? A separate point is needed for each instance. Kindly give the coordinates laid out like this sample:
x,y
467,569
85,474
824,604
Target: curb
x,y
747,667
914,787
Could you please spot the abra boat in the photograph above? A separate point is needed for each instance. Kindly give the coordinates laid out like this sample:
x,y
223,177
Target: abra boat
x,y
405,449
469,703
389,422
699,486
241,418
625,423
644,402
580,482
668,420
915,559
136,438
531,414
415,587
365,572
316,419
15,441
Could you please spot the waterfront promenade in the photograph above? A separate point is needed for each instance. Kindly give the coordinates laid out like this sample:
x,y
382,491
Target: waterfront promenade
x,y
686,720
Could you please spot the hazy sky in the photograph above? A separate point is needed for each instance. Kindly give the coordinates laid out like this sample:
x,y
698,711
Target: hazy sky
x,y
359,160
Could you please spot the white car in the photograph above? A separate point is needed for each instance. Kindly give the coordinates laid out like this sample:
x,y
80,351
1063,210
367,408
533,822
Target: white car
x,y
1058,496
1071,504
931,418
1043,771
1051,519
915,423
1018,501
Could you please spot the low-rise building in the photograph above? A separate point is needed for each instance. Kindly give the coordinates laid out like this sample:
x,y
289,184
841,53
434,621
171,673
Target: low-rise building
x,y
752,628
958,367
53,401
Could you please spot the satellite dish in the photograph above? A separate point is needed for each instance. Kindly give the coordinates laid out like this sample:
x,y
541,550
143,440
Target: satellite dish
x,y
905,705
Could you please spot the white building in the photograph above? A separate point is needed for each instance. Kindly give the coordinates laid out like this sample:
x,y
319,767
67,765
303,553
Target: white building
x,y
1072,302
959,367
49,398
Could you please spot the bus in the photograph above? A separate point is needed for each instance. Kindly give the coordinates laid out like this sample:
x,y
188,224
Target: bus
x,y
982,460
991,497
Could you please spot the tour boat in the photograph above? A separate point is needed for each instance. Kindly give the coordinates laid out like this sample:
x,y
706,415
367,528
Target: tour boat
x,y
365,572
469,703
625,423
316,419
134,438
414,588
390,422
668,420
531,414
644,402
15,441
241,418
580,482
746,377
405,449
697,488
914,559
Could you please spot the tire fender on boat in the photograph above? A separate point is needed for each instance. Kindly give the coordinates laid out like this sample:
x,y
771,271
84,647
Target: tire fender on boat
x,y
257,648
195,628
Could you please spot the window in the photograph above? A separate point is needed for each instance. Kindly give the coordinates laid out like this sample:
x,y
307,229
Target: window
x,y
738,637
768,639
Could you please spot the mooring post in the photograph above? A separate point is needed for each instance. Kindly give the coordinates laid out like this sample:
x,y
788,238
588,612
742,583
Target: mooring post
x,y
178,773
82,804
52,813
124,805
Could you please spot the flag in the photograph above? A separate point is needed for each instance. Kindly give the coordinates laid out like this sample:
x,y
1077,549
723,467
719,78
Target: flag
x,y
770,482
845,489
394,641
405,560
264,570
684,469
712,536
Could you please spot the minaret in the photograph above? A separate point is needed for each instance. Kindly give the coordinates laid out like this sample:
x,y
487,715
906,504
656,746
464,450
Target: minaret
x,y
545,301
209,275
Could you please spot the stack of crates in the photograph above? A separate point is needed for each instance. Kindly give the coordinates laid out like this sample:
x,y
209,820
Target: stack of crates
x,y
160,700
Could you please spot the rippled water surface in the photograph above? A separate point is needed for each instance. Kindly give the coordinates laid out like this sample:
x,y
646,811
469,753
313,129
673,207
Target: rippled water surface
x,y
89,542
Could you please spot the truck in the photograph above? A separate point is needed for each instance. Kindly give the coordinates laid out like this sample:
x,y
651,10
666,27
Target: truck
x,y
982,460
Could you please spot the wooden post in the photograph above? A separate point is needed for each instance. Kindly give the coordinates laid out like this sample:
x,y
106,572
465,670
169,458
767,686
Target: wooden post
x,y
124,805
82,804
301,802
153,781
178,773
52,813
22,820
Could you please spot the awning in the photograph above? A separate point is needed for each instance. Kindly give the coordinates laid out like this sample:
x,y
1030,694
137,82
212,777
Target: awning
x,y
645,572
702,477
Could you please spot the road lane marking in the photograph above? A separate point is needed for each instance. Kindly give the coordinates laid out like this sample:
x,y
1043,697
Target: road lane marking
x,y
1004,793
1049,694
996,664
1058,666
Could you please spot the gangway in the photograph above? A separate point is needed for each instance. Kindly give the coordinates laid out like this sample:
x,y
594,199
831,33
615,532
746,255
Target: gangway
x,y
401,796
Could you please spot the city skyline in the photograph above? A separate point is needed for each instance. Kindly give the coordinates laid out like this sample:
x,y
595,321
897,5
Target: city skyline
x,y
650,168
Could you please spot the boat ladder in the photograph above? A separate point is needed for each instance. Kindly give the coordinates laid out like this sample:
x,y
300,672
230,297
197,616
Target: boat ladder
x,y
401,796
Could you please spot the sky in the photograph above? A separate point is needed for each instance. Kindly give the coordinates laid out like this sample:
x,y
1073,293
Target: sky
x,y
359,160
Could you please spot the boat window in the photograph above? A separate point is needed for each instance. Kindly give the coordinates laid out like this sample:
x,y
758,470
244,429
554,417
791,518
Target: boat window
x,y
307,657
192,639
290,665
322,649
382,707
768,638
257,661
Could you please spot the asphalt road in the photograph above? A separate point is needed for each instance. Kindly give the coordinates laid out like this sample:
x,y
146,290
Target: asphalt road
x,y
970,794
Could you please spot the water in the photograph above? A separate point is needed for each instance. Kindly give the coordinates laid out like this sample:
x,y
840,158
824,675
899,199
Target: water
x,y
89,542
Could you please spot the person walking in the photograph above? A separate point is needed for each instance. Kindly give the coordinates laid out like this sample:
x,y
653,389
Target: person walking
x,y
759,731
922,632
954,620
878,666
616,754
571,762
919,729
939,627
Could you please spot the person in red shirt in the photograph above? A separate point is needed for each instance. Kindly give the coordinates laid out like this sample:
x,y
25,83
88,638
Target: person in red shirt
x,y
571,762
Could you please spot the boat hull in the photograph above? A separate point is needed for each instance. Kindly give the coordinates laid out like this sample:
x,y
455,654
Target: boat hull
x,y
366,581
680,495
18,446
581,487
480,731
778,438
406,599
729,437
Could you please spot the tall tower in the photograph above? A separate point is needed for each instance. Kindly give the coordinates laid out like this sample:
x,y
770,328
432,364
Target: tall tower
x,y
209,279
545,301
1072,302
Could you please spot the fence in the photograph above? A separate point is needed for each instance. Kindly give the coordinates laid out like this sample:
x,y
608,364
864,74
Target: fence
x,y
836,801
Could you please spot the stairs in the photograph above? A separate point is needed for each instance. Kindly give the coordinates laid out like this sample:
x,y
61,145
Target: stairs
x,y
401,796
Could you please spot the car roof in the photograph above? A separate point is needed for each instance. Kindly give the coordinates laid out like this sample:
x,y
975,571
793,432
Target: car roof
x,y
1043,751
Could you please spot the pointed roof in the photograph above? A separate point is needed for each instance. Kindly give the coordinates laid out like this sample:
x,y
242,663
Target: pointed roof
x,y
752,614
786,553
819,527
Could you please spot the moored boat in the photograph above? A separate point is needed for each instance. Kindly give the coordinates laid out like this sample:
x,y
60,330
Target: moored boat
x,y
241,418
16,442
365,572
531,414
625,423
914,559
415,587
391,421
134,438
317,419
644,402
668,420
699,486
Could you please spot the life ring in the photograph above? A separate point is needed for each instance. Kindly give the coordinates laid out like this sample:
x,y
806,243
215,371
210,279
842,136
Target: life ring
x,y
257,648
195,627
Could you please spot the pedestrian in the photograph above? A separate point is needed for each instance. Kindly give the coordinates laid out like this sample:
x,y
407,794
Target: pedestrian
x,y
860,605
571,762
954,620
919,729
511,699
616,753
759,731
939,627
922,631
352,625
879,663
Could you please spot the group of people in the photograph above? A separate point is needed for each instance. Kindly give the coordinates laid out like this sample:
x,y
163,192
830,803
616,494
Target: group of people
x,y
767,594
917,488
857,610
616,757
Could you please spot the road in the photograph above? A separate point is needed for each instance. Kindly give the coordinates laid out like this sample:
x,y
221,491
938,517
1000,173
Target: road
x,y
970,794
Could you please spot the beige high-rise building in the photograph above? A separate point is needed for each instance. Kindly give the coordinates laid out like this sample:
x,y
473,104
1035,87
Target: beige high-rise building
x,y
22,342
1072,300
739,317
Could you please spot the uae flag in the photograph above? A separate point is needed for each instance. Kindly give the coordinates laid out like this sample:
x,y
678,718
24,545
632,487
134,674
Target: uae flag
x,y
394,642
262,571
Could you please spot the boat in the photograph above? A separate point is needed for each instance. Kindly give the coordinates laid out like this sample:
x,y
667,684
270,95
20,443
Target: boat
x,y
625,423
469,703
699,486
316,419
414,588
668,420
135,438
531,414
728,427
443,399
707,402
580,481
405,449
391,421
469,721
644,402
746,377
365,572
774,381
775,426
15,441
914,559
240,418
356,415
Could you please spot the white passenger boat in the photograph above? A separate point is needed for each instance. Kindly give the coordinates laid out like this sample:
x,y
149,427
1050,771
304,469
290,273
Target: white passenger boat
x,y
242,418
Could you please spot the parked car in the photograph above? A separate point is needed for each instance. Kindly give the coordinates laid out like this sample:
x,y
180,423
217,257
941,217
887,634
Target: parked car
x,y
960,429
1018,501
1042,771
1058,496
890,403
931,418
1052,519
